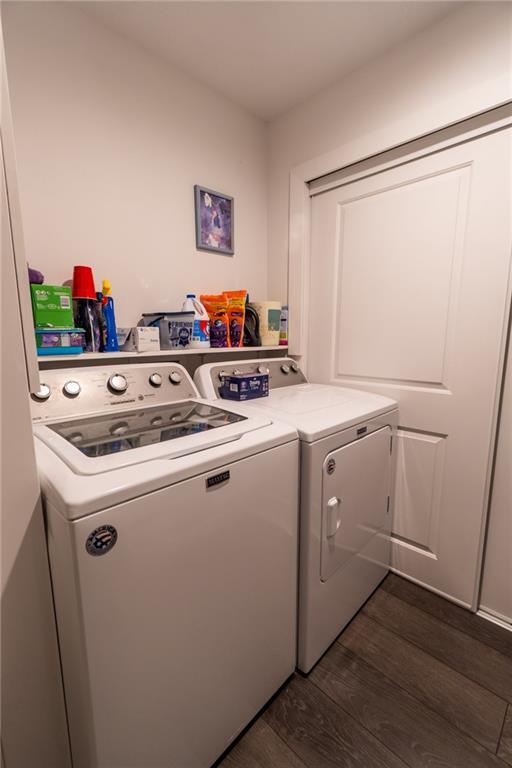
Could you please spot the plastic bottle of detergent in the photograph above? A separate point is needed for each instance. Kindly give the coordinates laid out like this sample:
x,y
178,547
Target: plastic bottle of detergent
x,y
201,332
111,343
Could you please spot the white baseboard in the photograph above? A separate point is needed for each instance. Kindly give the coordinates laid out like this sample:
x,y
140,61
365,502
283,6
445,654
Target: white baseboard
x,y
439,592
501,621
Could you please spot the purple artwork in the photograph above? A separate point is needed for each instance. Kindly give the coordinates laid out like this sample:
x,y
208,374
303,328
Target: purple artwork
x,y
214,221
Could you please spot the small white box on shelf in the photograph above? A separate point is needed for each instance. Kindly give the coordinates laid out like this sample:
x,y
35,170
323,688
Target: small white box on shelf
x,y
139,339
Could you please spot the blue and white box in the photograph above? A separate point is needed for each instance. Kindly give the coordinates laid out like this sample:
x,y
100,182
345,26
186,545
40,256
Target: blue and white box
x,y
244,386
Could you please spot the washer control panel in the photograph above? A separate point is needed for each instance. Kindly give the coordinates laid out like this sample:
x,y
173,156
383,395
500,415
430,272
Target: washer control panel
x,y
282,372
68,392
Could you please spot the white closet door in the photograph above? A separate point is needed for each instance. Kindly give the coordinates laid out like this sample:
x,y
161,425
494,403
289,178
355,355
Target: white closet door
x,y
409,282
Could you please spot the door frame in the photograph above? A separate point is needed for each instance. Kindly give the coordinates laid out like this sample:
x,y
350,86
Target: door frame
x,y
337,169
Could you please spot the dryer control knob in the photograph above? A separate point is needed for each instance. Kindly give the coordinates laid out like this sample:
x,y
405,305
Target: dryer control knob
x,y
155,380
72,388
175,377
221,374
263,369
236,371
294,367
43,393
285,369
117,383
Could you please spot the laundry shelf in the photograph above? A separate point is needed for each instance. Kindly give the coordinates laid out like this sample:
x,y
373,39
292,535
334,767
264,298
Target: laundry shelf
x,y
64,361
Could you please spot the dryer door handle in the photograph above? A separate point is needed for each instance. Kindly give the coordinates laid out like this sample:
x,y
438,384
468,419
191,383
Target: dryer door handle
x,y
333,516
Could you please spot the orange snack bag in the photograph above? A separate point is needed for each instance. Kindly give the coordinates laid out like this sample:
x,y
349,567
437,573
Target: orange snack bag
x,y
217,308
236,316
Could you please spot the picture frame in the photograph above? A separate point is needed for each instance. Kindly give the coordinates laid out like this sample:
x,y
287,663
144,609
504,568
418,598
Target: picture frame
x,y
214,215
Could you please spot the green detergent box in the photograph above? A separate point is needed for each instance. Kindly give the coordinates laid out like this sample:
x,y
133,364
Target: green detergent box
x,y
52,306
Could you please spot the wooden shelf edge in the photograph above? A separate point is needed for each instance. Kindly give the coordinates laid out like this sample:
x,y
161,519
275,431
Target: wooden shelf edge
x,y
171,354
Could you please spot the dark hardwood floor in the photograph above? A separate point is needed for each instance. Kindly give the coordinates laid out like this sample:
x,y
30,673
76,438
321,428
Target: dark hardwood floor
x,y
414,681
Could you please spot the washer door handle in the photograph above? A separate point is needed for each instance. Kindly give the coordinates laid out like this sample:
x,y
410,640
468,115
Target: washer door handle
x,y
333,517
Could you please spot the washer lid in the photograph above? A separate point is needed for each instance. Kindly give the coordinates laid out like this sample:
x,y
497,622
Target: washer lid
x,y
102,442
319,410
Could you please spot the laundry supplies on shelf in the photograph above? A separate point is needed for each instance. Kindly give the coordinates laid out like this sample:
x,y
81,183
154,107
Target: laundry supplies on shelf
x,y
236,315
139,339
175,328
110,343
244,386
59,341
53,320
270,321
217,308
201,332
51,306
252,336
87,309
283,330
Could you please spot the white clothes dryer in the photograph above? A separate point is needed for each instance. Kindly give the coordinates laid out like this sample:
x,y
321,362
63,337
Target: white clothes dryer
x,y
173,552
347,470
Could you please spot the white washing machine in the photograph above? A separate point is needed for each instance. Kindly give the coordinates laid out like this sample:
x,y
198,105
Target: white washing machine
x,y
172,532
347,468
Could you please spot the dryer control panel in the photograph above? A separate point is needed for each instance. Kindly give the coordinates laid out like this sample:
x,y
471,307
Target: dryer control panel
x,y
282,372
73,392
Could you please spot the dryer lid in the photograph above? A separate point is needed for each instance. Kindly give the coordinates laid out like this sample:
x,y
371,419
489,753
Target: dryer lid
x,y
319,410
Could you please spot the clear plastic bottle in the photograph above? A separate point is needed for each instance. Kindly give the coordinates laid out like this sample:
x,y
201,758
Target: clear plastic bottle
x,y
201,331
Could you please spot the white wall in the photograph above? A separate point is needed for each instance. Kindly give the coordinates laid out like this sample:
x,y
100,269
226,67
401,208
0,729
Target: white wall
x,y
110,142
453,69
496,596
121,137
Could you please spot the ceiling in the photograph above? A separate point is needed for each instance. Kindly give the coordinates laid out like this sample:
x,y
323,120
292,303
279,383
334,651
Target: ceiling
x,y
268,56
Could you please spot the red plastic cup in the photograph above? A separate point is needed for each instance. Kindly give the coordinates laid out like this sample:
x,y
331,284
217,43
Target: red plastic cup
x,y
83,283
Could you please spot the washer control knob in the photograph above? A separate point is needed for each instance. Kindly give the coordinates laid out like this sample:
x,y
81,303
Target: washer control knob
x,y
175,377
43,393
236,371
156,421
285,369
155,380
121,428
263,369
221,374
294,367
72,388
117,383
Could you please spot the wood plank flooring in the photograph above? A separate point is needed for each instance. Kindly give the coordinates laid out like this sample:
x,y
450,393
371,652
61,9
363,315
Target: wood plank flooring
x,y
413,682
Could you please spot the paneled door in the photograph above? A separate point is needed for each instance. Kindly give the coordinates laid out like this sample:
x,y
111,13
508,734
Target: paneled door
x,y
408,295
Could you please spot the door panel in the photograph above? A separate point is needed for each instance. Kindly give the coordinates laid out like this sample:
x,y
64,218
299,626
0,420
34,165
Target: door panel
x,y
410,272
410,290
420,464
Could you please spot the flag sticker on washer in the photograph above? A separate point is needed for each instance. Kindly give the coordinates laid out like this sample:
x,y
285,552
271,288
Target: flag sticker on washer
x,y
101,540
217,479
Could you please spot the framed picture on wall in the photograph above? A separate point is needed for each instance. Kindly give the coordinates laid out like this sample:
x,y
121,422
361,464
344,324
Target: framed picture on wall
x,y
214,221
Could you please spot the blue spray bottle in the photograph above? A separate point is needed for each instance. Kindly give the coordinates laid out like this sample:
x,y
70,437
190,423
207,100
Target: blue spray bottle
x,y
111,344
